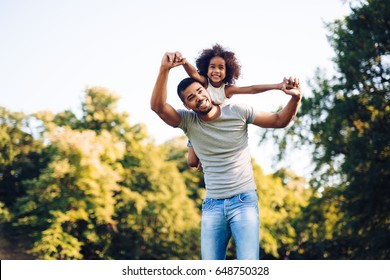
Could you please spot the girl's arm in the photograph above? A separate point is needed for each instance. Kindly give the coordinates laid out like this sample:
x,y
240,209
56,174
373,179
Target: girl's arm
x,y
230,90
193,73
286,115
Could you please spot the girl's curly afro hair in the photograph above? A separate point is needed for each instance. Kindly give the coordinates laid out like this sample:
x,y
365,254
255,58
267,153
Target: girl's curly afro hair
x,y
233,68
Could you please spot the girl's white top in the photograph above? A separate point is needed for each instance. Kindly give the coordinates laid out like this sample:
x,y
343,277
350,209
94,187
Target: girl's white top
x,y
217,94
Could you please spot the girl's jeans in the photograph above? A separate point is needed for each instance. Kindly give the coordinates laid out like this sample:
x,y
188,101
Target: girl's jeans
x,y
237,216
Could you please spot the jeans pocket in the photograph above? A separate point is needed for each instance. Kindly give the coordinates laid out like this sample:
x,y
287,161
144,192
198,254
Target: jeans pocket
x,y
248,197
208,204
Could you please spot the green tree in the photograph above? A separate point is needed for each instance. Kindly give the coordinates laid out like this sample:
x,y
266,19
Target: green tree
x,y
157,219
107,191
319,227
21,159
69,208
20,155
281,197
348,120
193,178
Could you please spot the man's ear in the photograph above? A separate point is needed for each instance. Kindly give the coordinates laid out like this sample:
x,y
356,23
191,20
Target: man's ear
x,y
185,105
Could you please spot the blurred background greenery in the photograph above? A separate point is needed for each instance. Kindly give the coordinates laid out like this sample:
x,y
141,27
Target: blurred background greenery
x,y
94,186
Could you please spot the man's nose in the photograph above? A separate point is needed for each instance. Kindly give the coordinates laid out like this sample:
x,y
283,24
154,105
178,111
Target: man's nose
x,y
198,96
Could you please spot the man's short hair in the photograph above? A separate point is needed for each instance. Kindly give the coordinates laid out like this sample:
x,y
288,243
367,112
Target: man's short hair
x,y
185,83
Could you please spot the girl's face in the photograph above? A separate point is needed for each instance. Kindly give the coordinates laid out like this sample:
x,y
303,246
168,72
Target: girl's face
x,y
216,71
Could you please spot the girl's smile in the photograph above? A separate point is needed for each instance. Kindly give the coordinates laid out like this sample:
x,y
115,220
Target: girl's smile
x,y
217,71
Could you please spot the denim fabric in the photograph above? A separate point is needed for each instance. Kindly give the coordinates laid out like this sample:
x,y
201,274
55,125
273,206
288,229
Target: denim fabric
x,y
222,218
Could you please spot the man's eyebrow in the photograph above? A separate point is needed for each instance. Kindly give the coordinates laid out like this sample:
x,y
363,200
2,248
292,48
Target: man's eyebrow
x,y
190,95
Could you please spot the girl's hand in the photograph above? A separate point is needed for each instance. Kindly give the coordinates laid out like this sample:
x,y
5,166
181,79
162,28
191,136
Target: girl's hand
x,y
292,86
289,83
172,59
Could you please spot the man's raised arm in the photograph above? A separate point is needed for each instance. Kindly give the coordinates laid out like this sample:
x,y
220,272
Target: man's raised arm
x,y
158,102
287,114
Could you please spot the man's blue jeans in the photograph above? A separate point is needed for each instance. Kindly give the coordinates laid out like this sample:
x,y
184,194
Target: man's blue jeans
x,y
222,218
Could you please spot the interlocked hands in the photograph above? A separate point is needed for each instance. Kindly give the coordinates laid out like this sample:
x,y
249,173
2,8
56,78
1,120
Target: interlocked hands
x,y
172,59
291,86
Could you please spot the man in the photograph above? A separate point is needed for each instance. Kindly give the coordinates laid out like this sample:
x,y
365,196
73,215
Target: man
x,y
220,139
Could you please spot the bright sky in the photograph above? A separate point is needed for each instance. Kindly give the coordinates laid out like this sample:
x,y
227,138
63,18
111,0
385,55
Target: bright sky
x,y
51,51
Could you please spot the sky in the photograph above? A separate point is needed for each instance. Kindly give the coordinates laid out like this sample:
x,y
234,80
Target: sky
x,y
52,50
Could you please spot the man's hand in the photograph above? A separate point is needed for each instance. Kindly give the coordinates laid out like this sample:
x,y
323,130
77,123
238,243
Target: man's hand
x,y
292,86
172,59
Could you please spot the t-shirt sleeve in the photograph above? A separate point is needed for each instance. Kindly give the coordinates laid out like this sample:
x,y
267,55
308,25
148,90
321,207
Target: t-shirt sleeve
x,y
251,114
186,119
247,112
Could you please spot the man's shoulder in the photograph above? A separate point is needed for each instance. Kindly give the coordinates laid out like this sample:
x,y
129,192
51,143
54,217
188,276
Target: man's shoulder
x,y
240,110
232,106
185,112
187,116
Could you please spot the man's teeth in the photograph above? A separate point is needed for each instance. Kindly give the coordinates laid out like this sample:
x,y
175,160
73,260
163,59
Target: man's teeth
x,y
202,103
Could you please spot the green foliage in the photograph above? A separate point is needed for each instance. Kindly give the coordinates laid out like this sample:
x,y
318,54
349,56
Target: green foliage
x,y
157,220
5,214
76,190
319,227
178,152
21,156
96,187
281,197
100,112
103,191
55,242
345,122
93,186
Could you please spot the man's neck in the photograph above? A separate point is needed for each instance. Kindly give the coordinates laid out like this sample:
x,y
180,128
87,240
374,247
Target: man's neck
x,y
213,114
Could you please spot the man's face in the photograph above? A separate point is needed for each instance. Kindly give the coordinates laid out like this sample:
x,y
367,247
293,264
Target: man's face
x,y
196,98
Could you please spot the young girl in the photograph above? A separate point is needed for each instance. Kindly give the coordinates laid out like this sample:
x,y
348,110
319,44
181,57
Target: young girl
x,y
218,70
